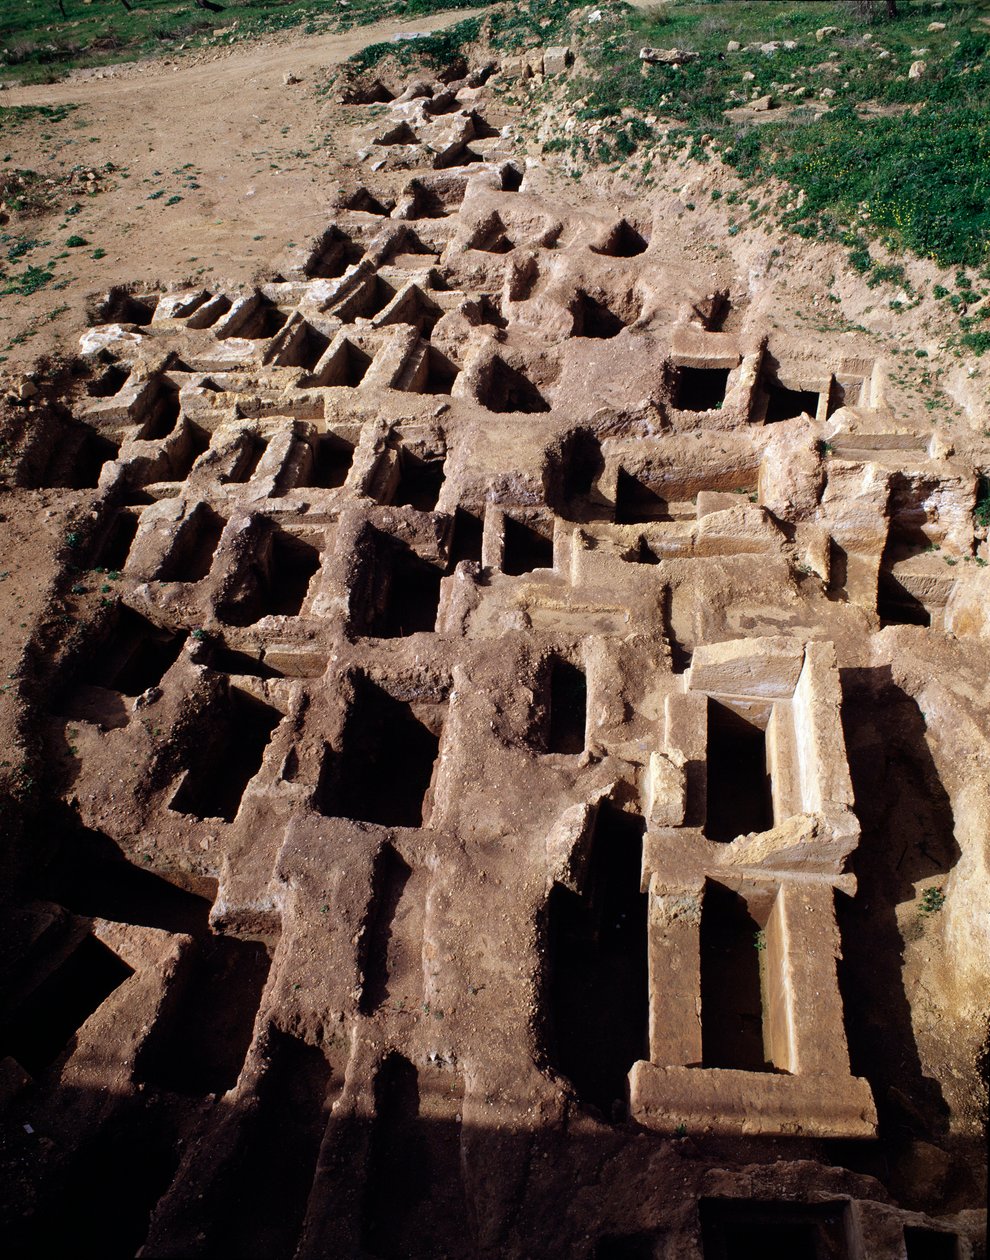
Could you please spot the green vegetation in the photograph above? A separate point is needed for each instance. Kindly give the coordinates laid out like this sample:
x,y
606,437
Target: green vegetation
x,y
869,154
508,28
909,169
981,513
932,900
14,116
39,44
434,51
28,282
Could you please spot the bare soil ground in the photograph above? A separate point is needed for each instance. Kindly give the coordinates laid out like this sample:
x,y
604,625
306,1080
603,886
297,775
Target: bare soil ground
x,y
260,151
405,940
266,167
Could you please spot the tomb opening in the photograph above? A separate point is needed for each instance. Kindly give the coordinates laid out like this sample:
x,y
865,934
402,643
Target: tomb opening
x,y
525,548
753,1230
568,707
41,1026
622,241
385,741
215,783
334,456
259,1208
930,1244
596,983
788,404
389,879
739,799
733,980
191,556
636,503
507,389
701,389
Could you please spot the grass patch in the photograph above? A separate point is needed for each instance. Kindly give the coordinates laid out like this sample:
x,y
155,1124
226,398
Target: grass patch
x,y
435,51
507,29
28,282
38,46
14,116
899,160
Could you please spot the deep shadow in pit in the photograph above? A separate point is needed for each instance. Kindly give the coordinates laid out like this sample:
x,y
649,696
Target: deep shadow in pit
x,y
81,1171
383,771
96,1205
389,878
413,1195
595,984
260,1200
200,1040
907,836
570,477
281,1177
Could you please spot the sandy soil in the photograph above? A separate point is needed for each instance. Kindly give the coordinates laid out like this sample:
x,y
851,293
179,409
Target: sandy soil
x,y
224,120
255,146
230,120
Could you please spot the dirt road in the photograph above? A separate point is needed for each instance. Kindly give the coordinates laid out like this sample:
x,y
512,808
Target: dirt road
x,y
220,165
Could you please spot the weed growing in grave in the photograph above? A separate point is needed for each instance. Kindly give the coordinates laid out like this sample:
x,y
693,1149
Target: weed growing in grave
x,y
932,900
981,513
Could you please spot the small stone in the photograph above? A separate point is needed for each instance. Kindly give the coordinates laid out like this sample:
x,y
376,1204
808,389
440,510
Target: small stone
x,y
557,59
748,76
762,103
733,45
824,32
935,26
289,78
918,68
667,56
26,390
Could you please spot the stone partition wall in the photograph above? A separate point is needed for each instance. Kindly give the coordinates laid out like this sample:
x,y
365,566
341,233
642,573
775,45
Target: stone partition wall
x,y
438,723
785,875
